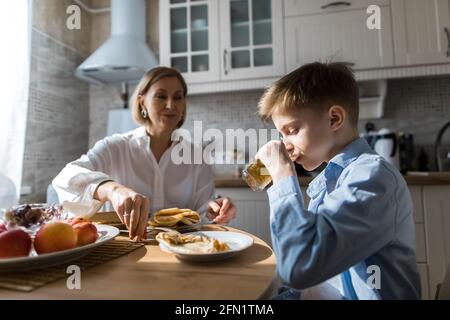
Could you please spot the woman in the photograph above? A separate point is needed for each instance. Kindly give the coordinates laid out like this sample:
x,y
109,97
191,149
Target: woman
x,y
135,172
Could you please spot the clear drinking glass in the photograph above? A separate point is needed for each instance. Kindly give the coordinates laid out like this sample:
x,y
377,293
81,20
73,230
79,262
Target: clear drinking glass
x,y
256,176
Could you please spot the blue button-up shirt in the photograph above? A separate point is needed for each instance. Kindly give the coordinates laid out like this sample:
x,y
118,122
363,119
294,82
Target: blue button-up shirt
x,y
359,226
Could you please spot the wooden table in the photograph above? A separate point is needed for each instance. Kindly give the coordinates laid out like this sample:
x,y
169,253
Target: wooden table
x,y
149,273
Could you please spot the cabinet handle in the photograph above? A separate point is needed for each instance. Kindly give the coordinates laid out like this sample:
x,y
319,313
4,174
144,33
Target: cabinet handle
x,y
447,32
225,65
336,4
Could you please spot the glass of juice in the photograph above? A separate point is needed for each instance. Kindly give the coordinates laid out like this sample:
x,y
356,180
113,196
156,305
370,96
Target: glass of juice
x,y
256,176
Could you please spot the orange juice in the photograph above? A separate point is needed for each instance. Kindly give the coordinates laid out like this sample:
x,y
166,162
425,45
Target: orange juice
x,y
256,176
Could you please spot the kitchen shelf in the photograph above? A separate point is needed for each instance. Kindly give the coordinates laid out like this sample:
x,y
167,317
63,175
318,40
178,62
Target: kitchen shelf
x,y
371,101
185,30
255,22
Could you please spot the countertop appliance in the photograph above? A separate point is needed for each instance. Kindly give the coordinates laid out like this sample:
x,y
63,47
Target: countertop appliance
x,y
384,142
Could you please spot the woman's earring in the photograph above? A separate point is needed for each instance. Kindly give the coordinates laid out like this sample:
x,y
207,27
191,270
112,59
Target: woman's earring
x,y
144,114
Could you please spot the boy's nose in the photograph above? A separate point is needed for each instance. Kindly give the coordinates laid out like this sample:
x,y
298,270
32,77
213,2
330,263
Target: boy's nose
x,y
287,143
289,146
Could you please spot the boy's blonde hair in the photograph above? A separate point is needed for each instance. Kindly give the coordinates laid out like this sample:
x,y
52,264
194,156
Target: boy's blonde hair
x,y
315,85
150,77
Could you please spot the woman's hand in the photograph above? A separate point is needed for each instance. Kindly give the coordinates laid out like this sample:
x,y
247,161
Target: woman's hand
x,y
276,159
131,207
222,210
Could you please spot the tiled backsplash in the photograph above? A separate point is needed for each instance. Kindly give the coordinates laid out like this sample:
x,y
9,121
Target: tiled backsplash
x,y
418,106
63,117
58,114
227,111
101,100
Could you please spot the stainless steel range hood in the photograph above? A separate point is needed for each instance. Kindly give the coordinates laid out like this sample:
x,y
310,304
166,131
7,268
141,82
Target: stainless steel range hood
x,y
125,56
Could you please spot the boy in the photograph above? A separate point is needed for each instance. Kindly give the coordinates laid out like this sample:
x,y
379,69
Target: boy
x,y
358,231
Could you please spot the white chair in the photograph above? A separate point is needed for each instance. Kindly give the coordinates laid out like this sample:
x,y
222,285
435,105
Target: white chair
x,y
443,289
8,195
52,196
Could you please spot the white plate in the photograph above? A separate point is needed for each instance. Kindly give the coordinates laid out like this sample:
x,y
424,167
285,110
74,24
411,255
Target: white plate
x,y
182,228
34,261
237,242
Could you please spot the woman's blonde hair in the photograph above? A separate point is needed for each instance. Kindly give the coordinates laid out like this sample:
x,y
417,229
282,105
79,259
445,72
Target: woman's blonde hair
x,y
150,77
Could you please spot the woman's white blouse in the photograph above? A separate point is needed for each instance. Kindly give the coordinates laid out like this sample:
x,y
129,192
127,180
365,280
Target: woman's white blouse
x,y
127,159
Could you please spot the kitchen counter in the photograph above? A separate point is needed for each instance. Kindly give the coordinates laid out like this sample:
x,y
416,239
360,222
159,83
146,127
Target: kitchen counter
x,y
413,178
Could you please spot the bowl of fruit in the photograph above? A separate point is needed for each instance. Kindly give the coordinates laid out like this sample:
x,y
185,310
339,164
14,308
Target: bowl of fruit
x,y
40,235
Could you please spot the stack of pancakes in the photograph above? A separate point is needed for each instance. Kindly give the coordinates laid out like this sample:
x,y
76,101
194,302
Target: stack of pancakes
x,y
173,217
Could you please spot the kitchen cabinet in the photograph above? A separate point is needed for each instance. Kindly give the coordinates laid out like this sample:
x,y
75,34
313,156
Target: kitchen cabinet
x,y
436,204
337,35
421,31
432,221
250,33
421,252
305,7
189,38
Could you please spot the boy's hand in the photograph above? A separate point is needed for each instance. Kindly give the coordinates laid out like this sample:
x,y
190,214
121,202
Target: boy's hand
x,y
276,159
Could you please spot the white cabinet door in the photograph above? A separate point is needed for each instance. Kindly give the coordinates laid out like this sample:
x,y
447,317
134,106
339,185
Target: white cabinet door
x,y
189,38
339,36
420,34
251,33
416,196
436,201
421,241
423,272
303,7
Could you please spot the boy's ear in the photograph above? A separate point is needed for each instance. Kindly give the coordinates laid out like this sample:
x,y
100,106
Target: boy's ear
x,y
337,116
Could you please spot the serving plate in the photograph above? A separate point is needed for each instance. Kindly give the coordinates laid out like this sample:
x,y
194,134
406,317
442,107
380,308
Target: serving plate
x,y
236,241
110,218
35,261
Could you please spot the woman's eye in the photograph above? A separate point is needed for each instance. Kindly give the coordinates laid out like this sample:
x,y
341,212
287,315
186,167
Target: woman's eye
x,y
178,98
293,131
160,97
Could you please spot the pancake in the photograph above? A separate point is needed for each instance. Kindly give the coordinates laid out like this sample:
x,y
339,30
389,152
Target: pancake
x,y
191,243
172,217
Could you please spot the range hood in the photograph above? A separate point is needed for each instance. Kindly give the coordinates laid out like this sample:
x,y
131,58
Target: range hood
x,y
125,56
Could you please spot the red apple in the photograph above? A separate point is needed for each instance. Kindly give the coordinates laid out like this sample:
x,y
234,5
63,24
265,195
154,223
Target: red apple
x,y
55,236
14,243
76,220
86,233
